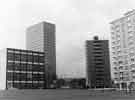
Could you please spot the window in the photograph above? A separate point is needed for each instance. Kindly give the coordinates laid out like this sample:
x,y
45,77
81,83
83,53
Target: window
x,y
115,63
133,19
35,59
99,71
29,76
97,42
98,59
30,59
99,74
17,57
10,76
10,56
29,67
133,65
16,85
121,78
131,54
121,73
17,76
17,66
35,85
28,85
113,43
41,59
133,71
120,62
116,73
130,43
115,68
41,68
23,76
129,25
35,68
97,45
35,77
24,57
132,59
41,85
98,49
121,67
10,66
99,63
23,67
41,77
119,52
97,52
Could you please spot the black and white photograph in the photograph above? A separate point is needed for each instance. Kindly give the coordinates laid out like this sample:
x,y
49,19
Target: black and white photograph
x,y
67,50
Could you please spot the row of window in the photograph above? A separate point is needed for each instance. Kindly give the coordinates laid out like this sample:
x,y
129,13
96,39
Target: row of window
x,y
122,74
25,67
124,67
25,77
98,59
25,52
124,78
26,85
28,58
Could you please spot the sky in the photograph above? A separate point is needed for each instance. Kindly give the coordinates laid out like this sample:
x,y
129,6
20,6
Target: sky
x,y
76,21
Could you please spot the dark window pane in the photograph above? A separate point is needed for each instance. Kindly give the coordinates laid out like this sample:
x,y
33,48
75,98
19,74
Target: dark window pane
x,y
10,56
30,59
17,57
41,59
17,66
9,76
10,66
24,57
23,76
29,67
35,68
29,76
23,67
35,58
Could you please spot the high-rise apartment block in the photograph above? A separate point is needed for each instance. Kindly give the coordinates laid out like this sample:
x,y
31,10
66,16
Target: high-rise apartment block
x,y
123,49
41,37
22,69
98,63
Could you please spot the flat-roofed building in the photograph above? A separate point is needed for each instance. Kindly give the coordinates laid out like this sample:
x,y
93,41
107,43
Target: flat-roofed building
x,y
41,37
123,50
22,69
98,64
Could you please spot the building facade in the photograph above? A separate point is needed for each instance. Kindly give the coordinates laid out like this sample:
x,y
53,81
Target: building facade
x,y
72,83
98,64
123,49
22,69
41,37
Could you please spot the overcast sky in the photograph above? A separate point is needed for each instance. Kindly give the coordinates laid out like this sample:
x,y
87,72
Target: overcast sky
x,y
76,21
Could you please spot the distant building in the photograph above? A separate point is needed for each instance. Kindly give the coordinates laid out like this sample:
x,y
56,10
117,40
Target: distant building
x,y
98,63
41,37
72,83
22,69
123,49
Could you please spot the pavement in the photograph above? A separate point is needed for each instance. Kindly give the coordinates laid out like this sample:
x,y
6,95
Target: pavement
x,y
65,94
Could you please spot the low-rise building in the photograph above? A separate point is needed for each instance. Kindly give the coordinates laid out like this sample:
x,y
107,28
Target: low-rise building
x,y
22,69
